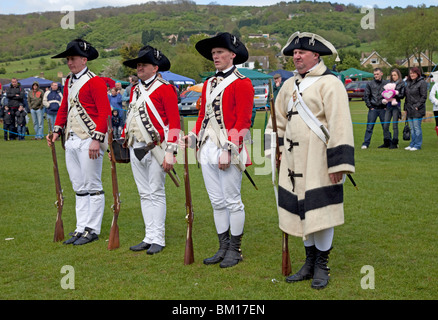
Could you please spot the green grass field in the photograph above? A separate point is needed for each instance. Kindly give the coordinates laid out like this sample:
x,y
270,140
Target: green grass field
x,y
390,228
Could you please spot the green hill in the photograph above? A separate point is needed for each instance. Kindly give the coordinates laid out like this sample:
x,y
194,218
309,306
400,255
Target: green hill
x,y
169,26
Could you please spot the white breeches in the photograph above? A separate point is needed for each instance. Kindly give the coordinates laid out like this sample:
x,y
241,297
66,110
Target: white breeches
x,y
322,240
85,176
223,187
150,179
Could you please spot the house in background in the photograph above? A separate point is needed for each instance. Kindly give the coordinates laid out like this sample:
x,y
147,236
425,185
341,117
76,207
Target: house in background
x,y
375,60
250,63
413,62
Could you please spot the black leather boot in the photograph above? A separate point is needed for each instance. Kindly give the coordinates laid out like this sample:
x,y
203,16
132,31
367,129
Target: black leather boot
x,y
306,271
394,144
224,243
234,253
386,143
321,275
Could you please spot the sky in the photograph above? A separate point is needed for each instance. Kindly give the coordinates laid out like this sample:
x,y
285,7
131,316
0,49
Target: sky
x,y
26,6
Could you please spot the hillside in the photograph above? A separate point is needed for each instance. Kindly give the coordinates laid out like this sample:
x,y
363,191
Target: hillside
x,y
170,24
38,34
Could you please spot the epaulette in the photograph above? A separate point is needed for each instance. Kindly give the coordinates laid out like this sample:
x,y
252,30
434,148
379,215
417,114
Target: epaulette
x,y
163,80
238,74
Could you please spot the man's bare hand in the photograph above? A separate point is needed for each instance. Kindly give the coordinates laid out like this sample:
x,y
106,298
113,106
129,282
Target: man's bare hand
x,y
336,177
224,160
168,162
94,149
54,137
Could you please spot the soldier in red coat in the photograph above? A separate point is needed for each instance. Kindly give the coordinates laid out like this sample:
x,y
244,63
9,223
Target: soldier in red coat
x,y
223,122
82,118
151,132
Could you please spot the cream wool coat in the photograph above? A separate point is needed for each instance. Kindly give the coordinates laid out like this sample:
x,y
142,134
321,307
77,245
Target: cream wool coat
x,y
307,199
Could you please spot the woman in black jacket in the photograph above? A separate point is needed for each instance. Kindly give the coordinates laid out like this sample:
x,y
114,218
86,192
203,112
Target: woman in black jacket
x,y
394,111
415,106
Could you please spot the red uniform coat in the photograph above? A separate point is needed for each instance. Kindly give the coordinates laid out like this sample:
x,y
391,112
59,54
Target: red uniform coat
x,y
237,105
93,98
165,101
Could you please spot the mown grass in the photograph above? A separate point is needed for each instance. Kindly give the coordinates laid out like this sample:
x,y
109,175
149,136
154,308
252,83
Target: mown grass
x,y
390,225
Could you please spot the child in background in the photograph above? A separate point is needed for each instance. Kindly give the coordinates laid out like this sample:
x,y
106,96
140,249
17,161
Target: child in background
x,y
8,123
116,122
20,116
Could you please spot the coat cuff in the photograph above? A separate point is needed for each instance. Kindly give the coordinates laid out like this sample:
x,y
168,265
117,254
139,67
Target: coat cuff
x,y
57,129
99,136
172,148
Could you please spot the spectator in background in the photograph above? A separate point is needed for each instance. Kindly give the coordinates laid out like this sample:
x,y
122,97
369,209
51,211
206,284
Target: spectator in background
x,y
433,97
115,100
415,106
116,123
278,83
394,111
20,117
8,122
127,93
35,101
119,88
52,100
15,95
3,99
376,109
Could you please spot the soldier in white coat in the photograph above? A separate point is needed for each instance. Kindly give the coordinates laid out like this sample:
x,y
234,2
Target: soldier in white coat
x,y
313,119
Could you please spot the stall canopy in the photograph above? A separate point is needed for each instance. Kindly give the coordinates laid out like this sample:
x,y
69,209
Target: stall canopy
x,y
176,78
356,74
283,73
28,82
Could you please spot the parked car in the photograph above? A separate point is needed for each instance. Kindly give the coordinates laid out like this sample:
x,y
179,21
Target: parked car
x,y
261,96
187,106
356,89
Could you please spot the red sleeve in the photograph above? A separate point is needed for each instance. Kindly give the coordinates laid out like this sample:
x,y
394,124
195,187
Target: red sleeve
x,y
238,104
100,108
94,99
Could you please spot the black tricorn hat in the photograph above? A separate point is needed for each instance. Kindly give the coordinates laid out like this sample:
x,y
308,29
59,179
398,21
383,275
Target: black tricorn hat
x,y
79,47
223,40
148,54
308,41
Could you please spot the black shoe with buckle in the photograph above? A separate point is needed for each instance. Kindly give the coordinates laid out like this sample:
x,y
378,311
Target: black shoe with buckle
x,y
86,237
74,236
155,248
141,246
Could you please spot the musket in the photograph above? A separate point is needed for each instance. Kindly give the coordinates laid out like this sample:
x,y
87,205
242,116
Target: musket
x,y
59,227
188,253
285,265
113,242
